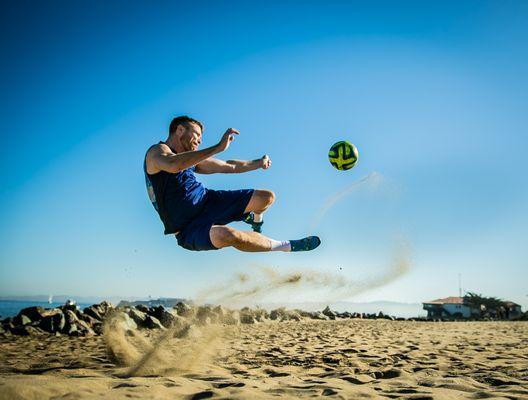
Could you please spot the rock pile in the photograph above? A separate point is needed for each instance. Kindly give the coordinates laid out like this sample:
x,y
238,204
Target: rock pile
x,y
67,319
70,320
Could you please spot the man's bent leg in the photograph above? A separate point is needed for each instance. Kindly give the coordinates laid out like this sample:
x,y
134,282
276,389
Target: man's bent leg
x,y
225,236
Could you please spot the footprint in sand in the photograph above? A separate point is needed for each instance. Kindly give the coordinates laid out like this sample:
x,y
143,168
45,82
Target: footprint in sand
x,y
222,385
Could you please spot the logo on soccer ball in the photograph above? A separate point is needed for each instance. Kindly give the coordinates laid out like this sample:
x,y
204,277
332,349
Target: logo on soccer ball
x,y
343,155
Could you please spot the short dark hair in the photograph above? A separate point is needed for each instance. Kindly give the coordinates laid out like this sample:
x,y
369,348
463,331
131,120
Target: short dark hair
x,y
183,120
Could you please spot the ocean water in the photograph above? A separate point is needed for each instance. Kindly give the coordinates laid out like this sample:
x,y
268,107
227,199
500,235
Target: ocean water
x,y
10,308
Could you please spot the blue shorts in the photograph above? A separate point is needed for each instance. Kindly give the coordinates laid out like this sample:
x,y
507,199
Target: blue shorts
x,y
221,208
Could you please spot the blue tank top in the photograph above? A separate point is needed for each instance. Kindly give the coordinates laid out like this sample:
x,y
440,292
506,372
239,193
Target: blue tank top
x,y
178,198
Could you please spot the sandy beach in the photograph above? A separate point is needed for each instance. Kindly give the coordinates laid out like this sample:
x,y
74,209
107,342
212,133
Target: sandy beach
x,y
341,359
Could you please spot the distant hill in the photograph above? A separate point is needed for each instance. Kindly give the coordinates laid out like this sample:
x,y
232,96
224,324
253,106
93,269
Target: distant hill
x,y
165,302
63,297
405,310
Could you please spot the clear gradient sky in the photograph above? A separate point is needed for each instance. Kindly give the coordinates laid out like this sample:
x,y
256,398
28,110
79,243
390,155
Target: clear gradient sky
x,y
433,94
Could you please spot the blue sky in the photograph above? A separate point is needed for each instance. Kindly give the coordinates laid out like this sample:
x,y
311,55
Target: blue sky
x,y
433,94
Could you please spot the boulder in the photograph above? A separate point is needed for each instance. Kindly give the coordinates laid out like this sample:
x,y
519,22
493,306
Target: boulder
x,y
184,310
20,330
86,318
143,308
75,326
33,313
319,315
220,311
98,311
70,322
59,321
294,315
277,314
69,306
71,330
140,318
8,324
105,307
205,315
70,317
122,321
248,319
329,313
84,329
232,318
225,316
247,316
304,314
153,323
261,315
53,323
21,319
98,328
93,311
166,317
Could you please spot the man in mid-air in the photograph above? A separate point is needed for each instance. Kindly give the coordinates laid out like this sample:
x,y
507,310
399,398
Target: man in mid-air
x,y
199,216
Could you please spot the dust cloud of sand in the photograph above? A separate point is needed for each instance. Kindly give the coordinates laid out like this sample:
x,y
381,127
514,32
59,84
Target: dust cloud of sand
x,y
265,280
182,348
186,347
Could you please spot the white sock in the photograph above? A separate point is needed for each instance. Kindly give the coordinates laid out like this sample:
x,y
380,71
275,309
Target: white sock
x,y
277,245
257,217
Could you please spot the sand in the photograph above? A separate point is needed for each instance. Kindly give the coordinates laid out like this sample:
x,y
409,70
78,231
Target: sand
x,y
347,359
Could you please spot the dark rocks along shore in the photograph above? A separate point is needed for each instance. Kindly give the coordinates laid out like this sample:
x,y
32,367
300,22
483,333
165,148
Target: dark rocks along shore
x,y
70,320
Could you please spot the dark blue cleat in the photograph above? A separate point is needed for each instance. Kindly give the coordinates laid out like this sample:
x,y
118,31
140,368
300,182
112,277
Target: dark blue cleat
x,y
306,244
256,226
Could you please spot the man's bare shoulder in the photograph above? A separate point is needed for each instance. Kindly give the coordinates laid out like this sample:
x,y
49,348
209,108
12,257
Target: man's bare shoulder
x,y
159,148
153,155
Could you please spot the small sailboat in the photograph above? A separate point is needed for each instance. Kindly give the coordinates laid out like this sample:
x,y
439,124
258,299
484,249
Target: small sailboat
x,y
50,299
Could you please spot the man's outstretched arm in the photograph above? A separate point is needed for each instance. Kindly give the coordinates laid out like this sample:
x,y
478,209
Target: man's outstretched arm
x,y
161,158
214,166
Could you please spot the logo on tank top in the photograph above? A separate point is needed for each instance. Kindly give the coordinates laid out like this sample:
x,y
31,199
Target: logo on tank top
x,y
150,192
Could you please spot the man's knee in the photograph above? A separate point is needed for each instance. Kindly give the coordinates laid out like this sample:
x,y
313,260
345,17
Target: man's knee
x,y
267,197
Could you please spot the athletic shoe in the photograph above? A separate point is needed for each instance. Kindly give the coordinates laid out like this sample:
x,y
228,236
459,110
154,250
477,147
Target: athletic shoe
x,y
256,226
306,244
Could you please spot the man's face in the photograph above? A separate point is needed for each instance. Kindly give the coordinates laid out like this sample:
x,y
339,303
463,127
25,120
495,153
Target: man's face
x,y
191,137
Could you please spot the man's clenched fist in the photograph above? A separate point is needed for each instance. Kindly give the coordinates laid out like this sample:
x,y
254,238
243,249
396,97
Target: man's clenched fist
x,y
266,162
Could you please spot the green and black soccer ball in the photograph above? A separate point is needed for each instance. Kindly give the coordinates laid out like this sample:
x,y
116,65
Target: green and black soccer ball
x,y
343,155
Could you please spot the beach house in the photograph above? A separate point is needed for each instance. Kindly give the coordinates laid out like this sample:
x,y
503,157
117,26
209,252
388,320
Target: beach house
x,y
471,306
513,310
449,307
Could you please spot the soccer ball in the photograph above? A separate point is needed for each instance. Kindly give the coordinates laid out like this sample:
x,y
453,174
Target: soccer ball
x,y
343,155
